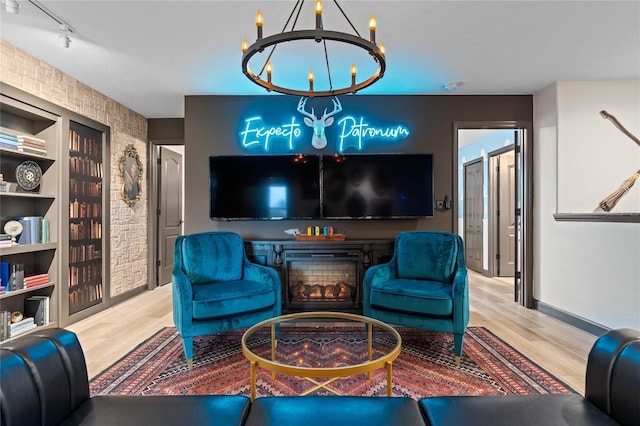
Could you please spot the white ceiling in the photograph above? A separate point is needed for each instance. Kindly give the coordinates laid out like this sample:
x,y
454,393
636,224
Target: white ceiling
x,y
148,54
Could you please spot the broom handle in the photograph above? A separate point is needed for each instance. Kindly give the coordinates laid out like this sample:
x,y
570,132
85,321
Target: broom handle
x,y
619,125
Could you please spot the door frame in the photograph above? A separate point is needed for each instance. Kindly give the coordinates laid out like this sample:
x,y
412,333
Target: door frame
x,y
523,279
154,199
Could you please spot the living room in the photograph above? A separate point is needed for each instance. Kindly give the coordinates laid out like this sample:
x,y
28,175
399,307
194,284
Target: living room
x,y
583,265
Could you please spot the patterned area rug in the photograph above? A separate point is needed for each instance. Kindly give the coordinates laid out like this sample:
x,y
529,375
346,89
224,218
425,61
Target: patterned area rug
x,y
425,367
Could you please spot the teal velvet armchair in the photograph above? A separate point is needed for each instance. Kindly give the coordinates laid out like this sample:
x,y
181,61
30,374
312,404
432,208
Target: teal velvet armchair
x,y
216,288
424,285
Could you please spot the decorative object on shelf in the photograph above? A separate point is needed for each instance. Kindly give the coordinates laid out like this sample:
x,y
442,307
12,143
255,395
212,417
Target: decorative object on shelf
x,y
130,176
3,184
28,175
13,228
612,199
16,316
320,35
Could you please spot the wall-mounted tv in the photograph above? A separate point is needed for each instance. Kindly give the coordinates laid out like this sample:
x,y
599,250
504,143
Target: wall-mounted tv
x,y
377,186
264,187
312,187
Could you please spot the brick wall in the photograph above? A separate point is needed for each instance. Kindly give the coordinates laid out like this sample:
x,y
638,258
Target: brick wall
x,y
128,225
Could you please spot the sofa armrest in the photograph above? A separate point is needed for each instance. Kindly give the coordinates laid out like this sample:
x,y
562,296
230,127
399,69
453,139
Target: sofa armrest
x,y
43,378
600,364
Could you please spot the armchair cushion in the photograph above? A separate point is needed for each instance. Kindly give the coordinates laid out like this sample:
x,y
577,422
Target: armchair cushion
x,y
198,254
221,299
414,296
431,259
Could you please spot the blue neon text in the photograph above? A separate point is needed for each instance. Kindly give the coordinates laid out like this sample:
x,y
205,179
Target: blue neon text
x,y
256,134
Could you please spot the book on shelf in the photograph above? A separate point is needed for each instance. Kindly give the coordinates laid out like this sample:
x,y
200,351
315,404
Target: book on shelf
x,y
37,307
36,280
16,276
4,275
5,240
36,230
5,322
20,327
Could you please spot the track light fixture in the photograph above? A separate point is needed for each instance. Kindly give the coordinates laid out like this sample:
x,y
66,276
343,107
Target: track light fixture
x,y
11,6
64,29
375,50
64,38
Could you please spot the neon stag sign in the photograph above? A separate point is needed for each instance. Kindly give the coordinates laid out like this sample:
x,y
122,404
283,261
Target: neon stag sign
x,y
352,132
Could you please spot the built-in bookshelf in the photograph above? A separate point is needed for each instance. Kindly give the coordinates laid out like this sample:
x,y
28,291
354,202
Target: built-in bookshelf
x,y
85,274
29,267
64,254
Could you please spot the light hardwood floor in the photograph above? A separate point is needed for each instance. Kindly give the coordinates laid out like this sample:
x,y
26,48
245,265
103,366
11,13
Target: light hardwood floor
x,y
559,348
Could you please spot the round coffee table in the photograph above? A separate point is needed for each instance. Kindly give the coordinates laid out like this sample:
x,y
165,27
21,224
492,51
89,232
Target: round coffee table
x,y
276,345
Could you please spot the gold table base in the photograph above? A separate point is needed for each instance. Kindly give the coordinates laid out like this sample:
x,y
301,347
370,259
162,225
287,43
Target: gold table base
x,y
332,373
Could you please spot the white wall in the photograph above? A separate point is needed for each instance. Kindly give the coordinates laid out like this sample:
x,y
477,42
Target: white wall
x,y
587,269
596,157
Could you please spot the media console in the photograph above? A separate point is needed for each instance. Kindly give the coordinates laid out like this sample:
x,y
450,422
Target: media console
x,y
321,275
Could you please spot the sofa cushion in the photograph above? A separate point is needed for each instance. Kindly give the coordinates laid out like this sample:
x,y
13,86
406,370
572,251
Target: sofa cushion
x,y
430,256
521,410
211,257
166,410
334,411
221,299
414,296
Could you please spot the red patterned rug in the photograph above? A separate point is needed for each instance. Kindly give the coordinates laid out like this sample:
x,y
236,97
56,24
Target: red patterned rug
x,y
425,367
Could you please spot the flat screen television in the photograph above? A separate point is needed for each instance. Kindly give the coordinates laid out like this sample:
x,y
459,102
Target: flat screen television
x,y
356,186
264,187
377,186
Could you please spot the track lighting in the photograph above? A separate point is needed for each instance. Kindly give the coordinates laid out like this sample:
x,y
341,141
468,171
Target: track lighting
x,y
11,6
64,38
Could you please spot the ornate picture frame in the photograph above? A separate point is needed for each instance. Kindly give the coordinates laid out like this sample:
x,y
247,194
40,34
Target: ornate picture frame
x,y
130,168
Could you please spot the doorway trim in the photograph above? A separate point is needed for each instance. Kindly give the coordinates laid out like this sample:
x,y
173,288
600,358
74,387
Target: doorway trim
x,y
523,279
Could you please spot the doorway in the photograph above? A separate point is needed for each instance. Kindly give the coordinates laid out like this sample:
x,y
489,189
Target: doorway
x,y
493,207
167,202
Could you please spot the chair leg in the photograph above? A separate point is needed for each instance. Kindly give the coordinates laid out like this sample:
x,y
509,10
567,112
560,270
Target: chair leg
x,y
187,344
457,346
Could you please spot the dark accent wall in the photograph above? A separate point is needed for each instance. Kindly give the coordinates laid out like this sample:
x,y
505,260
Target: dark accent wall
x,y
213,123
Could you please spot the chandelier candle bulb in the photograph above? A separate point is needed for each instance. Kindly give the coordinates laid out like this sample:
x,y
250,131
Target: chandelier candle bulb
x,y
318,9
372,29
245,45
354,71
381,47
311,80
259,24
268,68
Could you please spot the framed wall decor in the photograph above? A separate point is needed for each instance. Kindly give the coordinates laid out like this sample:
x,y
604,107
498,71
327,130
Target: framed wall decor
x,y
130,176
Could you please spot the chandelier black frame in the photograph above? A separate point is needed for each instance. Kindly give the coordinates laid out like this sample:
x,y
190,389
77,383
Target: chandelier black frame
x,y
319,34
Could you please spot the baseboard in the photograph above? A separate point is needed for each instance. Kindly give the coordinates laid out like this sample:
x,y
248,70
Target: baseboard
x,y
128,295
576,321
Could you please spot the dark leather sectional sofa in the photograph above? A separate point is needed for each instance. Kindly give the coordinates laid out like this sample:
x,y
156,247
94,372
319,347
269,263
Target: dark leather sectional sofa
x,y
43,381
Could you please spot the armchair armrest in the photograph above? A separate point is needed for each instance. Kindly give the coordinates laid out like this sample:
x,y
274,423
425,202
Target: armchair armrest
x,y
182,299
265,274
460,293
375,274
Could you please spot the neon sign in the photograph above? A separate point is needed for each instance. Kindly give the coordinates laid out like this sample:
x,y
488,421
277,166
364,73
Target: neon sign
x,y
256,134
352,132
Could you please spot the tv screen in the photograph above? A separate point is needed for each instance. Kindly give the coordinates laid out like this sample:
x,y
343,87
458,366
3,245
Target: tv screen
x,y
264,187
377,186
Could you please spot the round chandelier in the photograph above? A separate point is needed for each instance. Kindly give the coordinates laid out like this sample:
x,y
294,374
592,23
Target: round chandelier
x,y
319,35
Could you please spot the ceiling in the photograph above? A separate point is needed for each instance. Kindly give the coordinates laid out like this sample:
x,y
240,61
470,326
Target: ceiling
x,y
148,55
